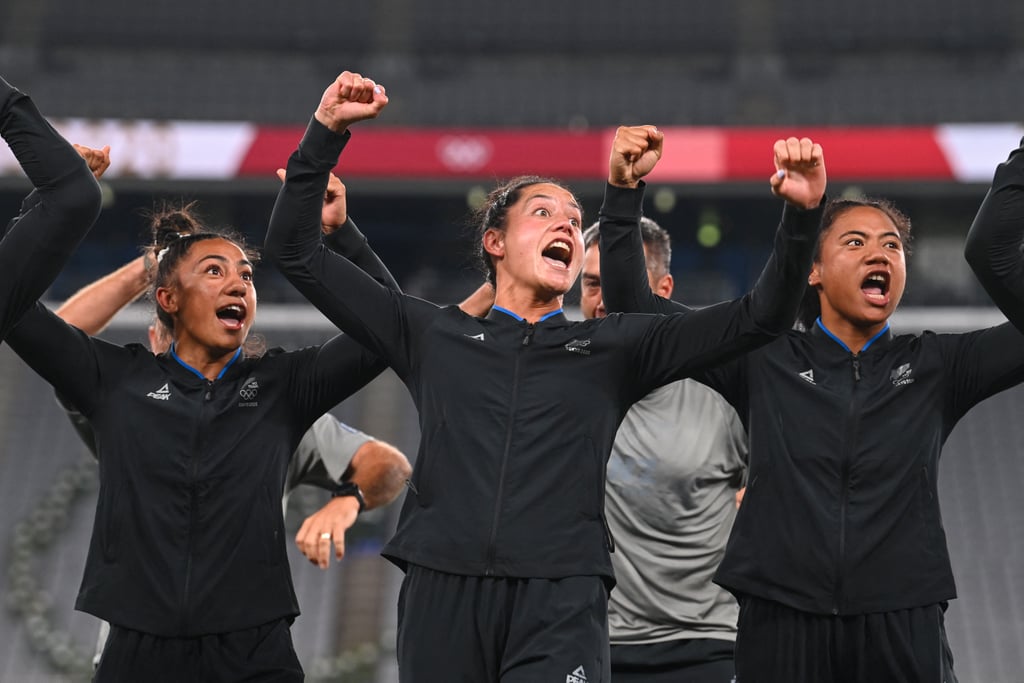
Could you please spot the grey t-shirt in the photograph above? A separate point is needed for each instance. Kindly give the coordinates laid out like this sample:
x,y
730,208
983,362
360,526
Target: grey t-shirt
x,y
323,455
678,459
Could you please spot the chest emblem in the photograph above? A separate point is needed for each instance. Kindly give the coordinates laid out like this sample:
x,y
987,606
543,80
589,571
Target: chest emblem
x,y
901,375
249,393
580,346
807,376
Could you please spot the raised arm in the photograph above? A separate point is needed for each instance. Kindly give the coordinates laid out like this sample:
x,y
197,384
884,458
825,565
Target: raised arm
x,y
987,361
91,308
800,179
341,235
993,246
624,284
65,204
687,343
355,302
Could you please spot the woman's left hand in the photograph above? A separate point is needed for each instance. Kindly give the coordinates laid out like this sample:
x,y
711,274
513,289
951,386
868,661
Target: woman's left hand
x,y
325,526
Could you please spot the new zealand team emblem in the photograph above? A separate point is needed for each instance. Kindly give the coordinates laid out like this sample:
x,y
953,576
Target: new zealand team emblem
x,y
249,393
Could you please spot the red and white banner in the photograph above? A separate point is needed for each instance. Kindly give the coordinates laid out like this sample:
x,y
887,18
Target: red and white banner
x,y
190,150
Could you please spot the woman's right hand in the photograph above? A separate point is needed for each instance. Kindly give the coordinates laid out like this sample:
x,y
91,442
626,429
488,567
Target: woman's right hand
x,y
799,176
635,152
350,98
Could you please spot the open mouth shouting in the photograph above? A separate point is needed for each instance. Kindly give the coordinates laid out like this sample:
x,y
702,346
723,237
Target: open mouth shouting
x,y
232,316
876,287
558,254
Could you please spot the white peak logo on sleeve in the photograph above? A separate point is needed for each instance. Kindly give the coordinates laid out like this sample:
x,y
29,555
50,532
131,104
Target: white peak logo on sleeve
x,y
161,394
577,676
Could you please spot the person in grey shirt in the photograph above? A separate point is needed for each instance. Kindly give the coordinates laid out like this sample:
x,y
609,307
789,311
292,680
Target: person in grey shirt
x,y
674,483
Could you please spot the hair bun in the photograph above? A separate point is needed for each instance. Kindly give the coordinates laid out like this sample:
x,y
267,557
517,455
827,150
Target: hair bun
x,y
172,222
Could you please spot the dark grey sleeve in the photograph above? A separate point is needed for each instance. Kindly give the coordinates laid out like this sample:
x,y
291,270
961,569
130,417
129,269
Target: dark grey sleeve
x,y
325,452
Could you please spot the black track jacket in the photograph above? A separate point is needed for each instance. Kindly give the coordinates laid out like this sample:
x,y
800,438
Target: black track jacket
x,y
841,513
189,534
517,419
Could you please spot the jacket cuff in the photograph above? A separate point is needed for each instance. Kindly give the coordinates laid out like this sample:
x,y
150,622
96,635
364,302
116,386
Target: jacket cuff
x,y
802,222
321,146
346,240
623,202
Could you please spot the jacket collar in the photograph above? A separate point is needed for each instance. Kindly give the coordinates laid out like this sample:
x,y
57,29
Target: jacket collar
x,y
497,313
881,339
173,354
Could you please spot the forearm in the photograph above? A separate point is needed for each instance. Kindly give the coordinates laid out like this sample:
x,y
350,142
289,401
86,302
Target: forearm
x,y
350,298
716,334
92,308
380,471
38,245
325,453
349,242
993,245
625,286
60,175
775,298
294,234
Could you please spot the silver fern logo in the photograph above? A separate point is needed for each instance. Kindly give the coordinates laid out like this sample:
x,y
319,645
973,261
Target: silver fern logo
x,y
580,346
901,375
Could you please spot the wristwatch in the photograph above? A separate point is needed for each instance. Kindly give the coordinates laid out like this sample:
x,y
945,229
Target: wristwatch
x,y
350,488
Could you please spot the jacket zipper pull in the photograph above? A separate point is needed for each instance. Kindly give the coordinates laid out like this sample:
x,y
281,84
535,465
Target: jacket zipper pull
x,y
528,335
856,369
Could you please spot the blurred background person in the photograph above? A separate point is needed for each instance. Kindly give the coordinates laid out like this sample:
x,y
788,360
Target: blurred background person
x,y
674,477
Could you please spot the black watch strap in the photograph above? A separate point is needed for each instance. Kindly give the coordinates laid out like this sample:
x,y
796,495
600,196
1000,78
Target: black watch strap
x,y
349,488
